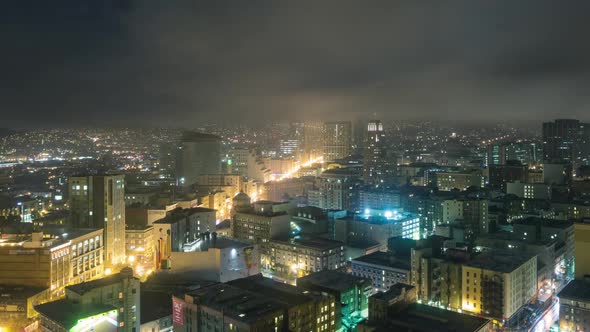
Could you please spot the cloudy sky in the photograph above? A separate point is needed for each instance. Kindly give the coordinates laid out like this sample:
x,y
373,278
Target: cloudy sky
x,y
185,62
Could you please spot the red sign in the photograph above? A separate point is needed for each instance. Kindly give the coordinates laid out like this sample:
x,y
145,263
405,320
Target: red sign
x,y
177,311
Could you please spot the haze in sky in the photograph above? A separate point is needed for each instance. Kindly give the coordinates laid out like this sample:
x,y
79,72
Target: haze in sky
x,y
181,62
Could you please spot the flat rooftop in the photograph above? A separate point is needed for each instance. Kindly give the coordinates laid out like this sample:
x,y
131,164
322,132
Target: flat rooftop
x,y
242,305
424,318
393,292
313,243
284,293
384,216
384,259
179,213
221,243
90,285
533,221
500,260
67,313
576,290
333,280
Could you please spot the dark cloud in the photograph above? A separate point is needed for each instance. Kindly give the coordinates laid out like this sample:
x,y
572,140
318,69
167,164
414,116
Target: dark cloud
x,y
182,62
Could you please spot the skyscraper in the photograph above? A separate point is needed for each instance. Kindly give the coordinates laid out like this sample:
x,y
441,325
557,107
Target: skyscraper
x,y
375,159
198,154
337,140
313,138
98,201
566,140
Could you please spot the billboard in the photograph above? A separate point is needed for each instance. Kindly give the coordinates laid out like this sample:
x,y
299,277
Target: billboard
x,y
177,311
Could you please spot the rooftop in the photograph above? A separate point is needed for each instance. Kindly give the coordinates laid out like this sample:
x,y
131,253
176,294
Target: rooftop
x,y
533,221
578,290
180,213
393,292
424,318
333,280
283,293
106,281
220,243
155,305
313,243
240,304
384,216
384,259
67,313
500,260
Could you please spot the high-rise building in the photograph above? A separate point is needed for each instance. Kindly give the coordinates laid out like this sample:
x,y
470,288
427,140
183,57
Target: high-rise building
x,y
582,249
313,140
375,159
337,140
198,154
98,201
574,306
167,160
566,140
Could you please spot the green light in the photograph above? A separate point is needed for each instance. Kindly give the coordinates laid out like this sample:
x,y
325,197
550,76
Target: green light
x,y
229,162
85,324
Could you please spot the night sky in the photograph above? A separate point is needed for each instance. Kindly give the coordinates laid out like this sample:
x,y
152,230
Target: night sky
x,y
182,62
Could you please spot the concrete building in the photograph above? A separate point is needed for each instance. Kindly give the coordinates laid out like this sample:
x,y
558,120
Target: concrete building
x,y
198,154
156,312
261,222
529,190
295,258
511,171
373,227
99,202
381,200
351,294
382,268
424,318
566,140
226,308
337,139
184,227
498,284
582,249
52,263
217,259
461,180
254,304
574,306
335,189
140,248
110,304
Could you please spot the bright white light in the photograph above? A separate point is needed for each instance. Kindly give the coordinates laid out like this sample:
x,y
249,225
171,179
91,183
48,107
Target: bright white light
x,y
388,214
367,211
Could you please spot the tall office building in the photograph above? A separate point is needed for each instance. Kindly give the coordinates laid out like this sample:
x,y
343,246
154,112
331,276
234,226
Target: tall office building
x,y
337,140
98,201
375,162
313,138
167,160
198,154
566,140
